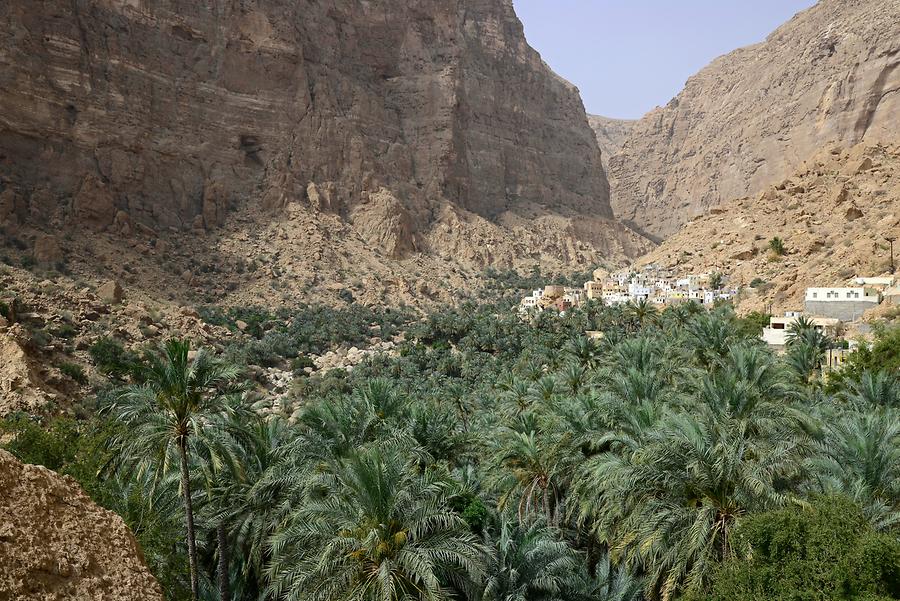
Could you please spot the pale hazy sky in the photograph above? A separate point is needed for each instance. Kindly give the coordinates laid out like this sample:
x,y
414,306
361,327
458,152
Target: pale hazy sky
x,y
628,56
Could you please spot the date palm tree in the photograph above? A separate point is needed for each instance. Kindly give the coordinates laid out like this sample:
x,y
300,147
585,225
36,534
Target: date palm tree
x,y
668,507
528,562
859,455
879,389
533,472
374,528
178,407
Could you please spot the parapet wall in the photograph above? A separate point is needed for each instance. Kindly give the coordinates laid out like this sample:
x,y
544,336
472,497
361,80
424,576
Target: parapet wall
x,y
843,310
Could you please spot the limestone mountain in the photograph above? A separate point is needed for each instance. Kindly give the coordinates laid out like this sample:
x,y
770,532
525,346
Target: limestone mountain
x,y
611,135
832,215
399,118
829,75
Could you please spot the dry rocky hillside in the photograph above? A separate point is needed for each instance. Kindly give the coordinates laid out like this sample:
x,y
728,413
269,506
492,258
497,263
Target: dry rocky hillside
x,y
55,543
50,325
830,75
352,134
832,214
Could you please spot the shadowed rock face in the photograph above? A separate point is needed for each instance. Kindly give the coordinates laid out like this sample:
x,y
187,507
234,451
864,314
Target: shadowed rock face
x,y
831,74
168,113
611,135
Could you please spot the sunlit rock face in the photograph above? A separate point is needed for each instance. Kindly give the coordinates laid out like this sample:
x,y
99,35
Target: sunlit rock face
x,y
830,75
169,114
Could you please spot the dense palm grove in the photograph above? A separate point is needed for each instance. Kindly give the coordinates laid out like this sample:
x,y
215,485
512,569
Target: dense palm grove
x,y
501,460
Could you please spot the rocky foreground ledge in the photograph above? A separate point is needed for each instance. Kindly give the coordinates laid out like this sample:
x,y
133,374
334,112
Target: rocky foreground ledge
x,y
55,543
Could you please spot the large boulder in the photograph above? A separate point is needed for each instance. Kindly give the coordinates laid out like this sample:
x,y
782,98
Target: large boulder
x,y
55,543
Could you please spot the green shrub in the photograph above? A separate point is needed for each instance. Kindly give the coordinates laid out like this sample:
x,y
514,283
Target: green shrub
x,y
65,331
776,245
757,282
752,324
112,359
824,553
74,371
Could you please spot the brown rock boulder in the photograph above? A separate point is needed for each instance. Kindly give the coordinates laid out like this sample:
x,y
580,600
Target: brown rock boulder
x,y
744,253
21,388
47,250
853,213
111,292
94,204
385,223
55,543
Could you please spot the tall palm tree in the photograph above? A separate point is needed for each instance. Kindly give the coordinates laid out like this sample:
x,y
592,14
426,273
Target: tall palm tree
x,y
258,499
179,406
374,528
806,345
584,351
643,312
608,583
804,359
533,469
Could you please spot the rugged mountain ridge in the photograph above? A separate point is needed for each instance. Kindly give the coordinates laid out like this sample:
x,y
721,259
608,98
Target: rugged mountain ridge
x,y
832,213
829,75
124,115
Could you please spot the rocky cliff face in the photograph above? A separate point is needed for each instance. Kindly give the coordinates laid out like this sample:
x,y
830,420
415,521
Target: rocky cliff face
x,y
123,115
610,134
55,543
831,74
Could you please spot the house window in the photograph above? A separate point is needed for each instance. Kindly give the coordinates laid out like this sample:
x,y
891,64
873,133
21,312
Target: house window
x,y
815,295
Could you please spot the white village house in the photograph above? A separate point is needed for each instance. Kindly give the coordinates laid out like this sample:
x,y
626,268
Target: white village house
x,y
846,304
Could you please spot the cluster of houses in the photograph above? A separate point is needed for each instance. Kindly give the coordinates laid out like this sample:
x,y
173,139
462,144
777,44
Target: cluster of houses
x,y
828,309
652,283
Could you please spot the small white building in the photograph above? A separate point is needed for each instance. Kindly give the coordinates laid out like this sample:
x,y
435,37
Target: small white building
x,y
776,333
638,290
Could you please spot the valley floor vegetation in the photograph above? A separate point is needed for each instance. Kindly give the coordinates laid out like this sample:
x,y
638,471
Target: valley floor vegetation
x,y
499,460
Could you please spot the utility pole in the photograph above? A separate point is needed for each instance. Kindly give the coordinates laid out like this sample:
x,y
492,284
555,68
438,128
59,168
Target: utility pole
x,y
891,240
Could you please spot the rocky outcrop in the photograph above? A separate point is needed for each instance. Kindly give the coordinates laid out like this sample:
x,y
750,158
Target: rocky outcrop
x,y
611,135
21,386
168,115
55,543
831,74
832,215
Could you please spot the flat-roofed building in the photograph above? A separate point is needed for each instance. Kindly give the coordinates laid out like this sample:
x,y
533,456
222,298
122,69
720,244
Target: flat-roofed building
x,y
776,333
846,304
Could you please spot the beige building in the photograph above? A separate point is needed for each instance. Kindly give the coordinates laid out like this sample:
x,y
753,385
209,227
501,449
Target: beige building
x,y
776,333
593,290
